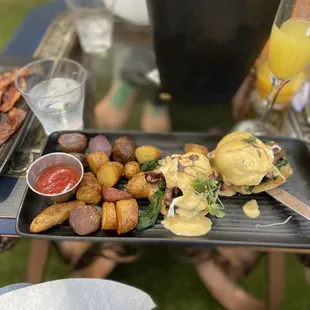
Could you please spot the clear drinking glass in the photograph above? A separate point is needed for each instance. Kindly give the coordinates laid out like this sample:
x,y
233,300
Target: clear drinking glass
x,y
54,90
289,51
94,23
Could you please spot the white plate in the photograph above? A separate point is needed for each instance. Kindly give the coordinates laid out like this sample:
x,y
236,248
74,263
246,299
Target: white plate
x,y
77,294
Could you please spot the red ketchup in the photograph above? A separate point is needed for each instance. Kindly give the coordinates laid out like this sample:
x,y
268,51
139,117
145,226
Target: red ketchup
x,y
57,179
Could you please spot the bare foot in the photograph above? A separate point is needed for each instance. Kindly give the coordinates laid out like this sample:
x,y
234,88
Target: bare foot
x,y
237,262
99,269
94,262
113,110
155,118
72,251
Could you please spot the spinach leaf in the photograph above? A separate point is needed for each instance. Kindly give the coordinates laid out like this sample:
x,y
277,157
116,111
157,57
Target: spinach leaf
x,y
250,188
149,165
282,162
149,217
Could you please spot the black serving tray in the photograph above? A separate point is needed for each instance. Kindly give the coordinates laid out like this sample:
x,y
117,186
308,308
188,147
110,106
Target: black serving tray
x,y
234,229
6,149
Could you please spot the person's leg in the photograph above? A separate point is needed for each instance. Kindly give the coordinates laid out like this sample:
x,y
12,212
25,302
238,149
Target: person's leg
x,y
155,118
114,109
156,115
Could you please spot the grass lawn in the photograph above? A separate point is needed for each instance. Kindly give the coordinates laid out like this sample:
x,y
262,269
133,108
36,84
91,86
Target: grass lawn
x,y
12,13
172,284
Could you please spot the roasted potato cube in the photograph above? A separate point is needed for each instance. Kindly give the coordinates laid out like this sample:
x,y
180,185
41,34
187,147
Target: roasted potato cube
x,y
73,142
131,168
147,153
96,160
110,173
123,150
127,212
138,187
85,220
108,220
196,148
53,215
111,194
89,189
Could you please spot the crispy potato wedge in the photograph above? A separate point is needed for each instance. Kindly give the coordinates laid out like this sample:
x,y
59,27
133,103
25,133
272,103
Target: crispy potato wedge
x,y
111,194
138,187
127,212
196,148
147,153
131,168
89,189
110,173
123,150
84,219
96,160
108,219
53,215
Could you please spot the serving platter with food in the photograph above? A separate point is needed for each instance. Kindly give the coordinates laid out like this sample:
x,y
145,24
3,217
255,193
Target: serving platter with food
x,y
14,115
167,188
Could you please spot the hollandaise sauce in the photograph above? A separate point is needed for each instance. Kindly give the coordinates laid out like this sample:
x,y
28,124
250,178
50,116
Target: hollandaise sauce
x,y
242,159
191,227
251,209
186,215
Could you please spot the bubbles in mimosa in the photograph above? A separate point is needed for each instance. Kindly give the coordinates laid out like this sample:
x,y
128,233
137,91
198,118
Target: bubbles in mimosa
x,y
289,51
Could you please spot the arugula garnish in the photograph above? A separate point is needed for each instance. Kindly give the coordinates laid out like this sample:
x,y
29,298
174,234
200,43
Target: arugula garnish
x,y
209,189
282,162
149,165
249,189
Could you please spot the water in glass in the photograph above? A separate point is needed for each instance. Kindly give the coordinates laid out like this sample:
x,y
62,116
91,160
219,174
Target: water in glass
x,y
60,103
95,32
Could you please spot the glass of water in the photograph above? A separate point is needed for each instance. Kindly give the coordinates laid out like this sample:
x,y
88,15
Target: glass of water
x,y
54,90
94,23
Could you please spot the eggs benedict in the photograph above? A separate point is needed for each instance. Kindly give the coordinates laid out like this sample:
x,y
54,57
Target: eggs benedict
x,y
193,177
248,165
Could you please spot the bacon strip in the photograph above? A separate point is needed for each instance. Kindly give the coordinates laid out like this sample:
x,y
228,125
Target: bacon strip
x,y
6,79
7,128
9,77
11,96
1,93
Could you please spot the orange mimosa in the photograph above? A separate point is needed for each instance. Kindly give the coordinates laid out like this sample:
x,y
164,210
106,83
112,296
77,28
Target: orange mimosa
x,y
288,91
289,51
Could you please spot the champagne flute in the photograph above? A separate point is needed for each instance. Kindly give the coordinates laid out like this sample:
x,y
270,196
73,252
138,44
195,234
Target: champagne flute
x,y
289,53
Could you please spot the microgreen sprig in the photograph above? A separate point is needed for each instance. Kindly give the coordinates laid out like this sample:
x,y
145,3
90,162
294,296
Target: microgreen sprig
x,y
209,189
